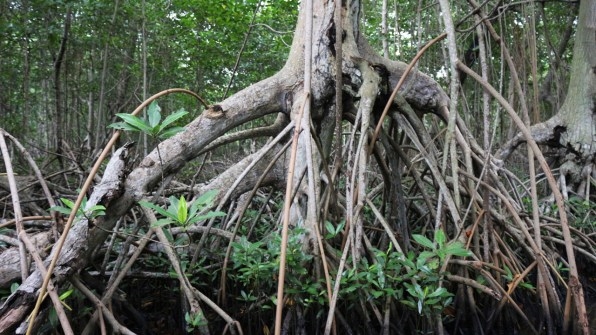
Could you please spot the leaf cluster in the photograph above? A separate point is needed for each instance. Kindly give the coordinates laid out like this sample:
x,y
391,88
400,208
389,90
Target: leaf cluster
x,y
152,126
194,321
419,273
88,213
256,265
180,214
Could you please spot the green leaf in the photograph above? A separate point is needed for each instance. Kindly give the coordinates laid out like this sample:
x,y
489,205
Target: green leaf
x,y
182,210
431,302
170,132
123,126
193,210
440,237
97,209
433,264
70,204
161,223
377,294
135,122
206,198
423,260
409,260
410,288
206,216
154,114
509,274
423,241
340,226
156,208
441,291
169,236
408,303
61,210
66,294
172,211
330,228
173,118
425,255
457,249
53,317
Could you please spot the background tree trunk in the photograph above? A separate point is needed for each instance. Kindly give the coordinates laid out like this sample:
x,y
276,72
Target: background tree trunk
x,y
59,103
578,112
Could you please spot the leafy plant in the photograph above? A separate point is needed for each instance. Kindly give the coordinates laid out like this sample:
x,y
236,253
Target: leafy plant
x,y
428,299
438,250
152,126
425,294
53,316
88,213
256,263
194,321
527,204
247,297
378,279
561,268
179,214
510,277
413,279
252,261
333,231
583,211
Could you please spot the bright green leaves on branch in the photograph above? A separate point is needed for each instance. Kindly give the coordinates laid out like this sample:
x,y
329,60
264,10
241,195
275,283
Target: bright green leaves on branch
x,y
153,127
88,213
179,213
438,249
425,293
428,299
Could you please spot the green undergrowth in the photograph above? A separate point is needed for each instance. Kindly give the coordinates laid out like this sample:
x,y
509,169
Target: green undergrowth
x,y
414,280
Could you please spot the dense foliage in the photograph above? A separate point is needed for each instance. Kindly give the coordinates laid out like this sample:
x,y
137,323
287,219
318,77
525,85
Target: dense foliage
x,y
117,53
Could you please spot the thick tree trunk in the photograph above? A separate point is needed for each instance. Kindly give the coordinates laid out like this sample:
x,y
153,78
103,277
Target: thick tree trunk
x,y
574,126
578,112
367,79
574,129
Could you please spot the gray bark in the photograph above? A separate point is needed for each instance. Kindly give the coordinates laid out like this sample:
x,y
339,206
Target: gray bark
x,y
280,93
578,112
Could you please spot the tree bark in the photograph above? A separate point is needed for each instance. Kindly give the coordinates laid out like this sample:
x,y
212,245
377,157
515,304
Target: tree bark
x,y
574,126
578,112
57,87
281,93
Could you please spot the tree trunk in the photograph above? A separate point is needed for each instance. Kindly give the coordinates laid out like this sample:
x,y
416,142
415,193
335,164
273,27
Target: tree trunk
x,y
578,112
367,80
574,126
58,89
574,129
